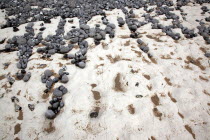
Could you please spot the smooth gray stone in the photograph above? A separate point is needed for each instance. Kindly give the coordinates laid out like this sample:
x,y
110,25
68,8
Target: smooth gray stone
x,y
71,56
83,51
81,65
21,40
57,93
64,79
50,114
31,42
27,77
56,105
61,104
111,25
144,49
8,46
51,51
64,90
207,54
49,83
19,65
61,72
139,41
48,73
84,26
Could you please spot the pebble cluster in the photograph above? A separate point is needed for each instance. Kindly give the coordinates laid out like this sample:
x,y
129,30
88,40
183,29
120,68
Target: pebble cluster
x,y
15,100
57,43
21,12
22,75
56,103
24,45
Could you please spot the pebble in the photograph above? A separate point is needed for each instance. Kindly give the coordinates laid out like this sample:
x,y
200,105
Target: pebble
x,y
61,104
19,76
64,49
21,40
31,107
85,11
15,29
57,93
61,72
27,77
111,25
55,80
8,47
207,19
49,83
133,28
121,22
71,56
42,28
48,73
17,107
139,41
64,78
139,96
55,105
207,54
14,99
144,48
10,80
137,84
52,51
50,114
64,91
81,64
94,114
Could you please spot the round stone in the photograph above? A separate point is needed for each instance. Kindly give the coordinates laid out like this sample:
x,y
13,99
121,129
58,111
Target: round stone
x,y
48,73
61,104
64,90
94,114
81,64
71,56
207,54
27,77
111,25
83,51
61,72
64,79
49,83
144,49
50,114
8,47
21,40
57,92
19,76
51,51
56,105
139,41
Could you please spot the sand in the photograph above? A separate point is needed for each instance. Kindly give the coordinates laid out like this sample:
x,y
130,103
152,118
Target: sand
x,y
174,85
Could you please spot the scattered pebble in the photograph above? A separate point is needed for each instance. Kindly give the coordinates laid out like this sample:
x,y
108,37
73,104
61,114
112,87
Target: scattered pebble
x,y
139,96
31,107
94,114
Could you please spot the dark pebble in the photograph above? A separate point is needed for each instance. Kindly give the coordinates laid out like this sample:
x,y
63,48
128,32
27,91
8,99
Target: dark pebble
x,y
94,114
